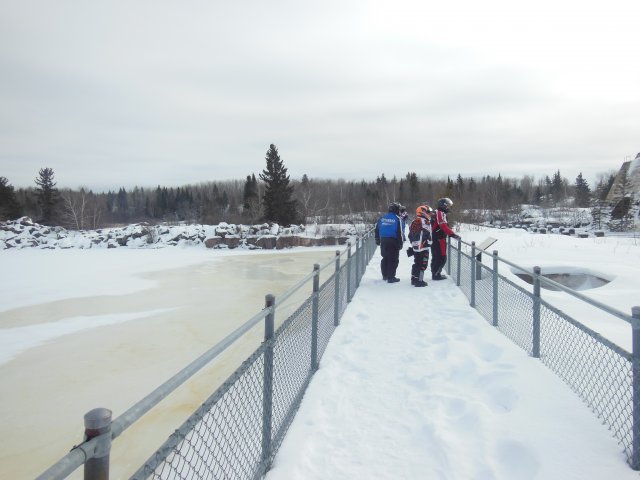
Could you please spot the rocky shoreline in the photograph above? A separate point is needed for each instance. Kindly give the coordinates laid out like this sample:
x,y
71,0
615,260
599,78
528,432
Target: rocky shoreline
x,y
24,233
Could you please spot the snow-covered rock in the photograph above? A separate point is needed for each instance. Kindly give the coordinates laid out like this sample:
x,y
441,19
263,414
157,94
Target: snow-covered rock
x,y
24,233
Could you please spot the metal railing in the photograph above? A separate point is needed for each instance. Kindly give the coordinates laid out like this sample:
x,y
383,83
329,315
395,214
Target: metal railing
x,y
237,431
603,374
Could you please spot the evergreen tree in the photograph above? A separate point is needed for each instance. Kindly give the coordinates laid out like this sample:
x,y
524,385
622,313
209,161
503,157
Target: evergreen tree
x,y
459,189
279,205
583,192
557,188
414,187
250,197
448,190
9,206
122,204
402,196
598,211
47,195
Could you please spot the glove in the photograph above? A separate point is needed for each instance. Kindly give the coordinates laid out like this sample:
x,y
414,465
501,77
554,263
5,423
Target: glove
x,y
378,242
456,236
410,252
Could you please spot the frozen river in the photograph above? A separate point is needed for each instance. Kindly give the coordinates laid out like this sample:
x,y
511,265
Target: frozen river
x,y
103,328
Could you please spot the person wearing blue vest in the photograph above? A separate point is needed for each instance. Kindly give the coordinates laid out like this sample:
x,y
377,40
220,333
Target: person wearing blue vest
x,y
389,236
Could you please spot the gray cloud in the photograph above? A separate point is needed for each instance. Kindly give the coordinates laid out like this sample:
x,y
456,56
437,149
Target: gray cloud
x,y
112,94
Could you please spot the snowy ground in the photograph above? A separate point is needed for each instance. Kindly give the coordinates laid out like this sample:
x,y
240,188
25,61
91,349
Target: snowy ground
x,y
415,384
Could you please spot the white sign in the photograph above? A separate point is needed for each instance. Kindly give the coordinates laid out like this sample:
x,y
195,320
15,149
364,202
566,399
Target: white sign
x,y
487,243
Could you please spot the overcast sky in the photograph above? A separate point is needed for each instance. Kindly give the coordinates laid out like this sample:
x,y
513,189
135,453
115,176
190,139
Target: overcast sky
x,y
124,93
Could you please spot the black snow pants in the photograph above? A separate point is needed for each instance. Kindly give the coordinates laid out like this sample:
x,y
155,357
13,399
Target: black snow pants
x,y
390,251
420,261
438,256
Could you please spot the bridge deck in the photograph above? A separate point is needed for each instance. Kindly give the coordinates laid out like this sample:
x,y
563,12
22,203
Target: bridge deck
x,y
416,384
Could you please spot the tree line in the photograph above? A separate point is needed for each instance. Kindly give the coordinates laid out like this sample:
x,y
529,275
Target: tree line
x,y
274,196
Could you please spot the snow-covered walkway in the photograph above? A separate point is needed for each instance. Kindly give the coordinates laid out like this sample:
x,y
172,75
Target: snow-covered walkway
x,y
416,385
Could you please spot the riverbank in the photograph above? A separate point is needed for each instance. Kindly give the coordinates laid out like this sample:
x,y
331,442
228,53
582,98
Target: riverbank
x,y
24,233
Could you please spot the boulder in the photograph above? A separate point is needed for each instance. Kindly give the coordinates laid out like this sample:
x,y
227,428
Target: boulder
x,y
267,243
213,242
232,242
285,242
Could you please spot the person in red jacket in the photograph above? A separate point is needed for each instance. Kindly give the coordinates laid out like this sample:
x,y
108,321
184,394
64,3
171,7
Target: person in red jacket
x,y
440,231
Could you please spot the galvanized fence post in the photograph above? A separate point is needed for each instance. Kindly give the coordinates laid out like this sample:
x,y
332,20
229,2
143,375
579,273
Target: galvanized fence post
x,y
495,288
349,272
459,262
536,313
97,422
357,262
635,366
267,387
336,305
314,317
473,274
449,255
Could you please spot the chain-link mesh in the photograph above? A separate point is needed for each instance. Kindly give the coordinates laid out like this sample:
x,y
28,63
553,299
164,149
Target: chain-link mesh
x,y
595,369
291,368
236,433
599,371
352,272
452,264
484,291
465,274
326,307
343,289
222,439
515,313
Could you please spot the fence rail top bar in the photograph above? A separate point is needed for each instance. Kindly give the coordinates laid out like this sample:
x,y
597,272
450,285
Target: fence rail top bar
x,y
616,313
71,461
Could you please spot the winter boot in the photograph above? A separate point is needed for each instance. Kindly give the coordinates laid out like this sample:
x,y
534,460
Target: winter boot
x,y
420,283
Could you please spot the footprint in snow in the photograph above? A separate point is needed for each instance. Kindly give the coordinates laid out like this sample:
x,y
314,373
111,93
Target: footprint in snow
x,y
489,352
516,460
501,397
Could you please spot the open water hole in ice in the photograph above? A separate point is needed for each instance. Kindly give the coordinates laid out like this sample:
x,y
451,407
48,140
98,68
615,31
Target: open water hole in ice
x,y
574,279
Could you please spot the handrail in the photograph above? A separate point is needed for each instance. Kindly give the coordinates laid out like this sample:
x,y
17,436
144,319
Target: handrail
x,y
87,450
608,309
286,294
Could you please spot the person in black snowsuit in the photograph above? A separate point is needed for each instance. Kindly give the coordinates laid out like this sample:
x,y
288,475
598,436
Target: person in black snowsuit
x,y
388,234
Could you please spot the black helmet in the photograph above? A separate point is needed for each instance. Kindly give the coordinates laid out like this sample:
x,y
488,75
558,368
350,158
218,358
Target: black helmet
x,y
394,207
444,204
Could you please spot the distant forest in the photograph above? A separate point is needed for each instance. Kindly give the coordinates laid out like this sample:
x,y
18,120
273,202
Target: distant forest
x,y
307,199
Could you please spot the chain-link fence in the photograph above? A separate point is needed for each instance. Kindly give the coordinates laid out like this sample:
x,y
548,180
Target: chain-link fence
x,y
237,431
603,374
